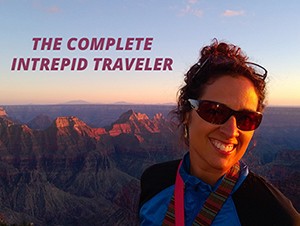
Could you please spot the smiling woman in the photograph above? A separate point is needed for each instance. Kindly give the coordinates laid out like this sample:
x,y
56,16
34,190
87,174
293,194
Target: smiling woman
x,y
219,108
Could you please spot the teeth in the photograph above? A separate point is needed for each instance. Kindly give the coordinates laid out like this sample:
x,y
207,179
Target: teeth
x,y
222,146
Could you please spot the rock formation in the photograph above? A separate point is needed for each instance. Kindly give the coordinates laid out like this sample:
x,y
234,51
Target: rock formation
x,y
72,174
69,173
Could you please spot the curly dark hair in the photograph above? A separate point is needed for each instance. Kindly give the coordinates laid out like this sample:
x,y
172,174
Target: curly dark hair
x,y
217,60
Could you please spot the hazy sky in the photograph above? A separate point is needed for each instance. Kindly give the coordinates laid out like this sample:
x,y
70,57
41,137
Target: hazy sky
x,y
268,31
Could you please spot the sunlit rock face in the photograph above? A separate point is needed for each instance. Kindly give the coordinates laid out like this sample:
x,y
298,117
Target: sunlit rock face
x,y
66,172
72,174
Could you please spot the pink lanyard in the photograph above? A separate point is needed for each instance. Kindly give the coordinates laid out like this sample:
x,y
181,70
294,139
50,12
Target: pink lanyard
x,y
179,199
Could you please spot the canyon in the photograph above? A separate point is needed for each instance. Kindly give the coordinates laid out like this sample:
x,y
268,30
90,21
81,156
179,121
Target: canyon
x,y
59,170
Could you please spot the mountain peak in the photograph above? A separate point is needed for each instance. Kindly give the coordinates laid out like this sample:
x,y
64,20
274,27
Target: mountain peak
x,y
158,116
131,115
135,123
71,123
40,122
2,112
68,121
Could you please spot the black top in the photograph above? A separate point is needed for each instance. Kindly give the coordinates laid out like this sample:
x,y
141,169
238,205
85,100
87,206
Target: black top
x,y
257,201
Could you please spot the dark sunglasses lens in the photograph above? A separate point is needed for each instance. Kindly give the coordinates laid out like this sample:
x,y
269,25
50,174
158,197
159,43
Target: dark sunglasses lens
x,y
213,112
248,121
218,114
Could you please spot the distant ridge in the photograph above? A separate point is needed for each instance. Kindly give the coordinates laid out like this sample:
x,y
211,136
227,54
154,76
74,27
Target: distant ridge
x,y
169,103
122,103
76,102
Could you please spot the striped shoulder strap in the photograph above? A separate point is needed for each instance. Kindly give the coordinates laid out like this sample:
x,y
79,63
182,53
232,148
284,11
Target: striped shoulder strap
x,y
213,203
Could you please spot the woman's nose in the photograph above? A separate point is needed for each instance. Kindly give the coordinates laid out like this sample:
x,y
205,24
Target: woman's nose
x,y
229,128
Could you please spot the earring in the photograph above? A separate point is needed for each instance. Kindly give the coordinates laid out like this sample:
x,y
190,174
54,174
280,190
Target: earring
x,y
186,134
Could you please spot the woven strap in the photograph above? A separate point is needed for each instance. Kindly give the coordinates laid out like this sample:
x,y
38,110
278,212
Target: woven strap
x,y
216,199
213,203
169,219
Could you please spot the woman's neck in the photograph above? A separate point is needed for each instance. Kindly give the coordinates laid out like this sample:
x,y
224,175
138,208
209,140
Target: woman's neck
x,y
206,174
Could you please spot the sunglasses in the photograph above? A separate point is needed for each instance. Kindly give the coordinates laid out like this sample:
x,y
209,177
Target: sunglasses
x,y
217,113
258,70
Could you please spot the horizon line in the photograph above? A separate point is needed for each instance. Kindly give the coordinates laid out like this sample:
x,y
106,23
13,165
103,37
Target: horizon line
x,y
116,103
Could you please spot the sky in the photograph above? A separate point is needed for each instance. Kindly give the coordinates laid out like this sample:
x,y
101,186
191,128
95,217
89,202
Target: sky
x,y
267,31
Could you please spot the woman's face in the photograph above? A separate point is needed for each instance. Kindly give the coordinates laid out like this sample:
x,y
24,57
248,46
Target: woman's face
x,y
216,148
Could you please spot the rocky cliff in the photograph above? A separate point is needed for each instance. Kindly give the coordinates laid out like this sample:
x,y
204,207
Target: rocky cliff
x,y
69,173
72,174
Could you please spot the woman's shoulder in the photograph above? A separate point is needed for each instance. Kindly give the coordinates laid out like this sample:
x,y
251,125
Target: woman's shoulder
x,y
156,178
261,203
161,170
